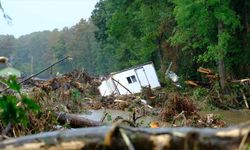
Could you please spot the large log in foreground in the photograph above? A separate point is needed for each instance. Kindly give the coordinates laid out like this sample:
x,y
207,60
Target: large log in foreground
x,y
117,137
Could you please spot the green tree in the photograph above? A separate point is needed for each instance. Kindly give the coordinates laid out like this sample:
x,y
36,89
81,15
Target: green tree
x,y
105,55
137,30
207,26
7,45
84,46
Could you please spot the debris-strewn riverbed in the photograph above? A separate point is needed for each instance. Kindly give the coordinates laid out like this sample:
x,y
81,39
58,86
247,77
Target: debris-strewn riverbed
x,y
73,100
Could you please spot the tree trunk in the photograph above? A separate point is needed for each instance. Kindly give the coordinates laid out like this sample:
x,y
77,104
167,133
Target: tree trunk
x,y
222,74
221,66
117,137
160,52
245,25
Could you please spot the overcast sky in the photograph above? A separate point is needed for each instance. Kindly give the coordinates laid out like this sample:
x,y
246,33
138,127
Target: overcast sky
x,y
38,15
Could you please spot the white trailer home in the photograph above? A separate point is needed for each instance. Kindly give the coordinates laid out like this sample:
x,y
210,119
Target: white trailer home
x,y
130,80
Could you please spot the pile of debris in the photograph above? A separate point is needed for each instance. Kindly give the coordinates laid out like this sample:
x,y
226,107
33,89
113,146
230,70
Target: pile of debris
x,y
77,91
65,93
177,105
75,79
208,74
181,111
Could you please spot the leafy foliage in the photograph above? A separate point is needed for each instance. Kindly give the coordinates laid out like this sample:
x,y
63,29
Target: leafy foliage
x,y
121,34
136,29
132,32
197,27
12,83
15,110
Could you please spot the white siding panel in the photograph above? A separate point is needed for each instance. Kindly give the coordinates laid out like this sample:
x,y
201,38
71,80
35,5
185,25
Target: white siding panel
x,y
103,88
111,86
107,88
152,76
143,79
122,78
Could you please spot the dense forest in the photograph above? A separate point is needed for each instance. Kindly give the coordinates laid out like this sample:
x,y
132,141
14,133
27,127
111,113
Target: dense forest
x,y
205,42
33,52
122,33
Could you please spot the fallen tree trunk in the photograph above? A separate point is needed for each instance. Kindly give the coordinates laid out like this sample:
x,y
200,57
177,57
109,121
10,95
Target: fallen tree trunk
x,y
75,121
117,137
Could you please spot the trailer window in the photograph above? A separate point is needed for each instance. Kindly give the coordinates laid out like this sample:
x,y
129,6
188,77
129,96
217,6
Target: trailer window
x,y
131,79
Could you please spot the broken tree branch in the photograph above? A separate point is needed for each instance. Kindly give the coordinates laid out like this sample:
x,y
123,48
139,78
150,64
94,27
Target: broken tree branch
x,y
167,71
204,70
244,98
110,137
181,115
122,85
76,121
34,75
241,81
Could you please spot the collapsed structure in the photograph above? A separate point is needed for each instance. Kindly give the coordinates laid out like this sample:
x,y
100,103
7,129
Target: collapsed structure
x,y
130,81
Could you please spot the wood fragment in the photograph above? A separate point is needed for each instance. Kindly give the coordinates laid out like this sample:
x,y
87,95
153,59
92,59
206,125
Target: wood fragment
x,y
204,70
34,75
126,139
181,115
243,141
241,80
245,99
189,82
122,85
76,121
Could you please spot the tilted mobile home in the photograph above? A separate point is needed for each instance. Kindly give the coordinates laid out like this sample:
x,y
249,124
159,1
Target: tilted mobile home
x,y
130,80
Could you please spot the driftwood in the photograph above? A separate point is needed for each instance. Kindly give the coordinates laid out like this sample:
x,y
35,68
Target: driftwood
x,y
76,121
117,137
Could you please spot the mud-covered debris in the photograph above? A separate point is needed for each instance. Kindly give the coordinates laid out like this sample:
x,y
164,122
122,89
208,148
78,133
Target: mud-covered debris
x,y
69,90
75,79
175,106
209,120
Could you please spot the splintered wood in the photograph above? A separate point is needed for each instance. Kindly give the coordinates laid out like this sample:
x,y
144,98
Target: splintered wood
x,y
208,73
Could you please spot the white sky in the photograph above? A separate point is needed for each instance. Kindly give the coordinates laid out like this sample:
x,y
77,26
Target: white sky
x,y
38,15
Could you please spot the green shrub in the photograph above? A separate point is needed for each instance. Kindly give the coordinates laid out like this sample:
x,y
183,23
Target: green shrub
x,y
199,93
14,108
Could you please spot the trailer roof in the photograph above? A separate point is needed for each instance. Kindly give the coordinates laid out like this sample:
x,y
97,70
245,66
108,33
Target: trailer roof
x,y
133,67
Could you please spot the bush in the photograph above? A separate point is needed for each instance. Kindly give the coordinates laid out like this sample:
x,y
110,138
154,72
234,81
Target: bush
x,y
199,93
15,108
